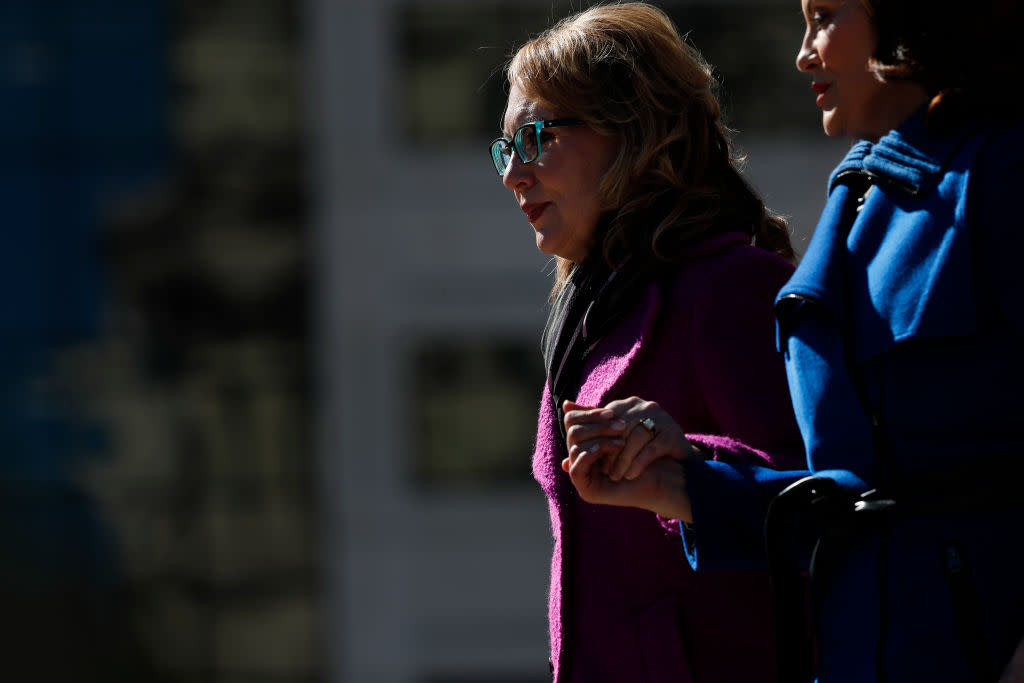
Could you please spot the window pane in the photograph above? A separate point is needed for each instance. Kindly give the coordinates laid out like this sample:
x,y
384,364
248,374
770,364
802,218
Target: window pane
x,y
452,89
475,411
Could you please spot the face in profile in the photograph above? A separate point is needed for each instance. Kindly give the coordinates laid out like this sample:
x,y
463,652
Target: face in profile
x,y
560,190
837,47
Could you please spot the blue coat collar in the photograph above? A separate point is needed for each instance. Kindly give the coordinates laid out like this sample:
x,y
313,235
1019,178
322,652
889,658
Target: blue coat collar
x,y
910,157
897,265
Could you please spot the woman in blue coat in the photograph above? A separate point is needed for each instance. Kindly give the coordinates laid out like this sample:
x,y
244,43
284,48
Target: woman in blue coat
x,y
903,334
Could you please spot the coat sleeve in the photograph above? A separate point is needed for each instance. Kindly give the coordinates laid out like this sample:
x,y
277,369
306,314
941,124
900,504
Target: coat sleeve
x,y
741,375
730,492
743,380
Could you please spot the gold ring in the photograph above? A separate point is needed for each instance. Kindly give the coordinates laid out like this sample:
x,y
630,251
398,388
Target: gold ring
x,y
648,424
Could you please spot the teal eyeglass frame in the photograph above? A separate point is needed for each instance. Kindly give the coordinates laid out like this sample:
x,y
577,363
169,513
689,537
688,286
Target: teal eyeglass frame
x,y
502,148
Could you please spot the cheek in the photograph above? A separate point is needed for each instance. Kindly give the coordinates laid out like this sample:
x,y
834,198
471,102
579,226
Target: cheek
x,y
595,177
588,204
861,94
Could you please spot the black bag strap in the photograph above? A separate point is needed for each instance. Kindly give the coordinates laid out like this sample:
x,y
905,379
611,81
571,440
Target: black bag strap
x,y
807,500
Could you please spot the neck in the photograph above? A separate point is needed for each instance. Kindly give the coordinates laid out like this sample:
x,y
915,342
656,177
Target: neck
x,y
902,100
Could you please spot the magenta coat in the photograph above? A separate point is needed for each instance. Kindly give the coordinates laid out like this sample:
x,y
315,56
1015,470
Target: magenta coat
x,y
624,604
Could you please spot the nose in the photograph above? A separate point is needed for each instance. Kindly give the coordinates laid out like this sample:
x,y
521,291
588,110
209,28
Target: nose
x,y
807,57
517,174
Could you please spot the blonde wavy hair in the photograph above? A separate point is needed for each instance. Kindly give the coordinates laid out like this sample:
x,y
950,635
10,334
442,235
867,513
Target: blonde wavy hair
x,y
627,72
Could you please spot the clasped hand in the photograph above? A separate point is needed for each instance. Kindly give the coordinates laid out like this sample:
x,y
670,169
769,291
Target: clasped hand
x,y
628,453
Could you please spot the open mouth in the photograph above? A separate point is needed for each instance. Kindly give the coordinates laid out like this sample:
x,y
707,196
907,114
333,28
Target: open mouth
x,y
821,88
534,211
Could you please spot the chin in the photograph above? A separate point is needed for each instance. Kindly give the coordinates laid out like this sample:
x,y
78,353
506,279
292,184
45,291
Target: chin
x,y
832,128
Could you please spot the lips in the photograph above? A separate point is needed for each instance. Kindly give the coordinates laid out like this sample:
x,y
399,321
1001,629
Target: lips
x,y
821,88
534,211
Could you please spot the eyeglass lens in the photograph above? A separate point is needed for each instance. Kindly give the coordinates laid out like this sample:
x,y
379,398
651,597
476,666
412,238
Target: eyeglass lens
x,y
526,146
501,155
526,143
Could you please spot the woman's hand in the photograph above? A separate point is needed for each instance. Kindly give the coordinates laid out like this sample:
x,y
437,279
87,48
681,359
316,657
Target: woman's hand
x,y
628,453
629,434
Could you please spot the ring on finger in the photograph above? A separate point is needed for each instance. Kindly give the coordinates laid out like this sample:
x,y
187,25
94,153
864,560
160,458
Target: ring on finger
x,y
648,424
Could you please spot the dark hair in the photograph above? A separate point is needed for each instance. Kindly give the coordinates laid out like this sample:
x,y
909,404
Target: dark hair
x,y
960,52
626,71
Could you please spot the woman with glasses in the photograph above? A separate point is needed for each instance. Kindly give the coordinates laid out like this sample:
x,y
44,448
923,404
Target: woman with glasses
x,y
667,266
903,330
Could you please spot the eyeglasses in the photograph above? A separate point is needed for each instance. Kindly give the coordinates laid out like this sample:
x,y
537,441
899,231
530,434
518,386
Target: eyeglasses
x,y
526,142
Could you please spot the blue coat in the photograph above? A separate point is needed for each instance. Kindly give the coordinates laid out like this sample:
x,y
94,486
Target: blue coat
x,y
918,306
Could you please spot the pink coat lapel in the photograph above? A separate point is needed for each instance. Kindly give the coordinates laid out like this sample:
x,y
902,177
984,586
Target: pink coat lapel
x,y
614,356
606,370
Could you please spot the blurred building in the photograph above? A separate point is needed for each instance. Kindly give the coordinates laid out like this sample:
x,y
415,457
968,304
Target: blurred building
x,y
157,521
269,332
